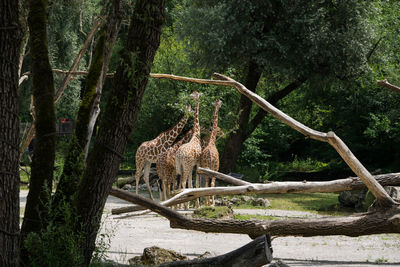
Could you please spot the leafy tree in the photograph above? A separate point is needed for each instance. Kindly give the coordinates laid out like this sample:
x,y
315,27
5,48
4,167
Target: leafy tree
x,y
294,40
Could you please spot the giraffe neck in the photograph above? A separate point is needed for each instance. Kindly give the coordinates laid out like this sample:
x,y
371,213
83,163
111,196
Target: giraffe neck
x,y
168,137
184,139
196,126
214,129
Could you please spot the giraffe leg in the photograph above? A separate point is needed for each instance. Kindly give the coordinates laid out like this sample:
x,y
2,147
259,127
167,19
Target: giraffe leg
x,y
197,186
163,196
212,197
139,168
207,184
146,177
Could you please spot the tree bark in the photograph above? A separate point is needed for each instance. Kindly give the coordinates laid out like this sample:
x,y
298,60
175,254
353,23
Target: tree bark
x,y
74,162
378,222
120,114
44,153
112,28
10,40
254,254
388,85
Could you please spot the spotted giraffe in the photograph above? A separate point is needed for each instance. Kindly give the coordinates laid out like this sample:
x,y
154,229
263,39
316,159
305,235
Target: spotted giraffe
x,y
148,151
166,165
188,155
210,155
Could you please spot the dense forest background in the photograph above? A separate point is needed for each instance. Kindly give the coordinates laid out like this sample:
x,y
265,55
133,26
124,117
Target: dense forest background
x,y
317,61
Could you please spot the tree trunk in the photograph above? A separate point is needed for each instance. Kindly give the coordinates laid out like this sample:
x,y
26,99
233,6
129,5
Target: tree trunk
x,y
9,133
117,123
235,139
45,126
113,25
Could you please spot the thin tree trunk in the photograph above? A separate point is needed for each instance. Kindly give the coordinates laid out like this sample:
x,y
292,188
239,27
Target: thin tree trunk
x,y
44,153
112,28
235,139
74,163
9,133
117,123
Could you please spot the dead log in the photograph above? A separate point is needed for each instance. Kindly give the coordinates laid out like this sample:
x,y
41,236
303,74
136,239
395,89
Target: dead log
x,y
256,253
221,176
348,184
377,222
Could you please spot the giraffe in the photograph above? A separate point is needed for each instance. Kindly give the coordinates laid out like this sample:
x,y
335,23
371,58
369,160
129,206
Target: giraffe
x,y
148,151
210,155
204,140
166,165
188,155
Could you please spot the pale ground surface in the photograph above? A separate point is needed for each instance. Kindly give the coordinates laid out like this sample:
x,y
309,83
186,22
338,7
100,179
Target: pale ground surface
x,y
131,235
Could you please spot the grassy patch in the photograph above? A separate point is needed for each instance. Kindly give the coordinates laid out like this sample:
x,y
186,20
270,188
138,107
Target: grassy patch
x,y
323,203
221,212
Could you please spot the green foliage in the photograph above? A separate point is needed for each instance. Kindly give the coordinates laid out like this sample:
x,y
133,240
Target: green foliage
x,y
57,245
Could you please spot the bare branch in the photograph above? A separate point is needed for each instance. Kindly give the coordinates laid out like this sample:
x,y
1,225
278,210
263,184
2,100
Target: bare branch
x,y
382,197
97,23
385,83
221,176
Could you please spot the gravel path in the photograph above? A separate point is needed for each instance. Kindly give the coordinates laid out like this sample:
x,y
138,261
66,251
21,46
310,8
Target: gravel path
x,y
129,236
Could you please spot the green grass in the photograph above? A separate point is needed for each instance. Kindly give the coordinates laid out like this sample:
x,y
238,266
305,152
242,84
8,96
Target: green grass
x,y
322,203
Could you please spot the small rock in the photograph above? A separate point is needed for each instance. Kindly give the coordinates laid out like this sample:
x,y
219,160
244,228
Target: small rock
x,y
393,191
127,187
142,187
261,202
155,255
352,199
235,201
246,198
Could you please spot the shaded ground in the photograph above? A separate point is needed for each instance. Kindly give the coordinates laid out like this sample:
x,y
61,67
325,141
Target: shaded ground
x,y
129,236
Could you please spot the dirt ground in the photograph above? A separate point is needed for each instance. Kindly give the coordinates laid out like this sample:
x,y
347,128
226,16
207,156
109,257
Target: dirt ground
x,y
129,236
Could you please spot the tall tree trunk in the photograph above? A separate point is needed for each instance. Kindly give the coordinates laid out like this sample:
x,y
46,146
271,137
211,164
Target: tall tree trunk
x,y
118,121
74,163
235,139
10,38
45,126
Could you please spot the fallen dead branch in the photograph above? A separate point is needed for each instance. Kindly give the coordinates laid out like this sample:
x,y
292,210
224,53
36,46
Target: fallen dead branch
x,y
383,199
356,225
348,184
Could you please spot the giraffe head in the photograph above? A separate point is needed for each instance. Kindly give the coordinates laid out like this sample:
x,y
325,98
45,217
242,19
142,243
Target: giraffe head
x,y
195,95
189,110
217,103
